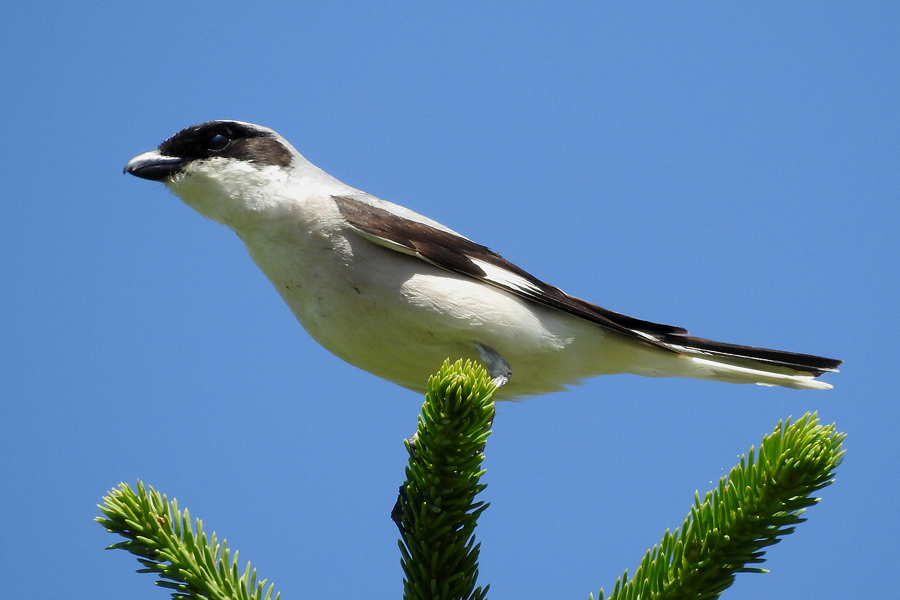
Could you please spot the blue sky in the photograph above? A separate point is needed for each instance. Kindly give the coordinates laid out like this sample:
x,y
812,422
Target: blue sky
x,y
731,169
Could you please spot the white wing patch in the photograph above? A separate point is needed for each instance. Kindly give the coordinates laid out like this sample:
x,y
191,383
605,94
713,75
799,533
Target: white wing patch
x,y
504,278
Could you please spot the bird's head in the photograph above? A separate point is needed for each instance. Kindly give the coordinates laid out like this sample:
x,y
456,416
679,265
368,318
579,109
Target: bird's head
x,y
228,171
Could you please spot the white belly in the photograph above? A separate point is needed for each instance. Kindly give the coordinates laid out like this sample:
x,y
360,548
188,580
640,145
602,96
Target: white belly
x,y
399,317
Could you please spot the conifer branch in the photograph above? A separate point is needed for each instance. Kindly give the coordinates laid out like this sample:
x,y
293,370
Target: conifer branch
x,y
162,538
753,507
437,507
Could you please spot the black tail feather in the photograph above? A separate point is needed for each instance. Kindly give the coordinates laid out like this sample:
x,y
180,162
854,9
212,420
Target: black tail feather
x,y
808,363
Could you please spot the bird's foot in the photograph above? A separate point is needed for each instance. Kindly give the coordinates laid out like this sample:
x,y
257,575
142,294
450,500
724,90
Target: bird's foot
x,y
498,369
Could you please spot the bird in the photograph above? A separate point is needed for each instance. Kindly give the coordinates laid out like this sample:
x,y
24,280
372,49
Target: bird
x,y
396,293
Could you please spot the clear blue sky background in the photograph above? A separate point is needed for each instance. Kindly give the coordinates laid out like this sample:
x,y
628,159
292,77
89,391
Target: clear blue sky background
x,y
732,169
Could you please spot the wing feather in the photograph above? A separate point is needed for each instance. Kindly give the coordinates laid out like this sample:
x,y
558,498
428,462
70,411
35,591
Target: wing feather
x,y
461,255
451,251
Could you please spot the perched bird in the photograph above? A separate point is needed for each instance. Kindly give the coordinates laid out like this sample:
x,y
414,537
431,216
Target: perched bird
x,y
395,293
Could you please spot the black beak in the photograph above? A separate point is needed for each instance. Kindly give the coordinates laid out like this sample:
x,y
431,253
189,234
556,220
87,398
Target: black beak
x,y
154,166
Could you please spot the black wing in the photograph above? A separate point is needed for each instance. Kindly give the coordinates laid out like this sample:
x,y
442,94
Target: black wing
x,y
461,255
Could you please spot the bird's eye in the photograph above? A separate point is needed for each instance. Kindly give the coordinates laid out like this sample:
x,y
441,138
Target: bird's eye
x,y
217,142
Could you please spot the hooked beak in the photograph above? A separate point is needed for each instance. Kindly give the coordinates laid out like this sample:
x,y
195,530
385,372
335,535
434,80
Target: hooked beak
x,y
154,166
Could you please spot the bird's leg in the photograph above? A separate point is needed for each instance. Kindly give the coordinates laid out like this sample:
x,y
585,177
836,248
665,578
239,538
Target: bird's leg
x,y
498,369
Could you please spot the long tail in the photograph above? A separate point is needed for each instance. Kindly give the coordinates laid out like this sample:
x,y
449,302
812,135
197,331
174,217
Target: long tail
x,y
746,364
